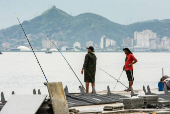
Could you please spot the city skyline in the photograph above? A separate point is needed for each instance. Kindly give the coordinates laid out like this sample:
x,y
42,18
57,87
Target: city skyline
x,y
145,40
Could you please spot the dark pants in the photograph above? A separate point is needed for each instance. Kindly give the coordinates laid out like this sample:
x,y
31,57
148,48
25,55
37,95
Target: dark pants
x,y
129,74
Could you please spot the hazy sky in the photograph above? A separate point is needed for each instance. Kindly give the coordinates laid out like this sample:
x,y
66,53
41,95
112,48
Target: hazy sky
x,y
119,11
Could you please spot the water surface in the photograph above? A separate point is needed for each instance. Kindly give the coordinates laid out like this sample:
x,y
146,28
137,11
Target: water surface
x,y
20,72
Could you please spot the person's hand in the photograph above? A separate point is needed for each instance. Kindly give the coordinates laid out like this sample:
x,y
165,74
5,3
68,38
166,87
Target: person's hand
x,y
123,67
130,64
82,71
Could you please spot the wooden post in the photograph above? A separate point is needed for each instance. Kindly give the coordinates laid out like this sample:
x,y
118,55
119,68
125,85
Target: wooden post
x,y
162,71
58,98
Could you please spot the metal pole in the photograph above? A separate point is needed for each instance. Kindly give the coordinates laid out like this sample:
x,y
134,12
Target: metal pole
x,y
67,63
32,49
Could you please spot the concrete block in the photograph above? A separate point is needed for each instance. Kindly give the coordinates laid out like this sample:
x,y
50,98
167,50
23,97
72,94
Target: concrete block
x,y
151,102
121,107
161,112
108,108
149,97
130,103
164,97
113,108
73,111
164,102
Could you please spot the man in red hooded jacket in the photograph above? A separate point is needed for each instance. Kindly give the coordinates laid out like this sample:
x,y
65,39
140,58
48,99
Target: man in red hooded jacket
x,y
128,67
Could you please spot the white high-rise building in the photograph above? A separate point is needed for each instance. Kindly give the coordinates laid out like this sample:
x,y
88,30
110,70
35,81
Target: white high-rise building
x,y
48,44
165,43
107,43
110,42
89,43
128,42
77,44
143,38
152,43
103,42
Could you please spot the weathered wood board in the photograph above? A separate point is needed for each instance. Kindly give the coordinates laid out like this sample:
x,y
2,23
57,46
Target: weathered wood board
x,y
57,97
23,104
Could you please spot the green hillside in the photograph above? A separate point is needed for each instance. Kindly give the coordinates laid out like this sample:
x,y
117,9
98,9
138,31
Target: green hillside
x,y
160,27
60,26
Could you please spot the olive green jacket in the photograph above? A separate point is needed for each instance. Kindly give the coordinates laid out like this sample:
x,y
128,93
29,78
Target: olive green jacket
x,y
90,63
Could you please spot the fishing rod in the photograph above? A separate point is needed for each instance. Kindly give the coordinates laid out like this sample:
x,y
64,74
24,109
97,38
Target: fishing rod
x,y
118,80
67,62
32,49
112,77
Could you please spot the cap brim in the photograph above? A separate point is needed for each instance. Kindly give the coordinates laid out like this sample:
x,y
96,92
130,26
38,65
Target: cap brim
x,y
91,50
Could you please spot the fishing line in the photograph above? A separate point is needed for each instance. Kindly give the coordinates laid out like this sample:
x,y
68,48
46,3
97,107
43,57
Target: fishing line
x,y
112,77
67,62
32,49
118,80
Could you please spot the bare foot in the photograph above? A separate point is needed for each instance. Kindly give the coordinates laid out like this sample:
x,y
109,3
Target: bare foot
x,y
127,90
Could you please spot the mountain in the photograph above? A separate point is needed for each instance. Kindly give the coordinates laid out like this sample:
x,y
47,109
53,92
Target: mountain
x,y
162,27
90,26
60,26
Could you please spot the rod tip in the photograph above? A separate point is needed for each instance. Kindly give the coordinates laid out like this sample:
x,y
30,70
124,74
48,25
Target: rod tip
x,y
16,14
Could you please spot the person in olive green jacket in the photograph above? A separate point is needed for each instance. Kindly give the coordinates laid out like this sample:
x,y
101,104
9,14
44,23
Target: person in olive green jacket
x,y
89,68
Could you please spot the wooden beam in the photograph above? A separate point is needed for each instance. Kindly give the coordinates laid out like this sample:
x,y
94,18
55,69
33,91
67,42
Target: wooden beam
x,y
57,97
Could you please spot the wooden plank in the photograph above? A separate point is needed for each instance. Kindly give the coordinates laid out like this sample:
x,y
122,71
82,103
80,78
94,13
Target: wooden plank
x,y
57,97
23,104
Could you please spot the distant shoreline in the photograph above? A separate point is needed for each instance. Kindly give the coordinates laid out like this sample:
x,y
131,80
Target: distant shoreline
x,y
95,51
